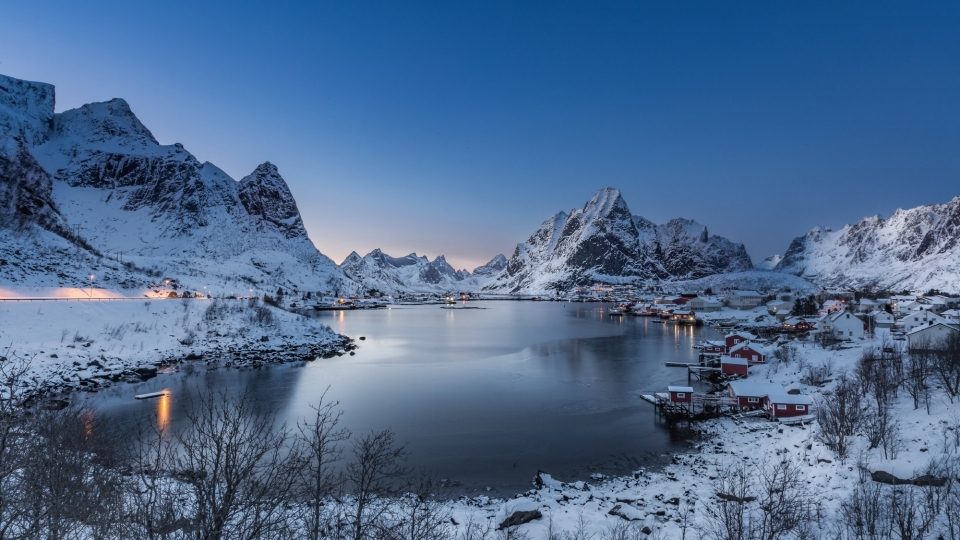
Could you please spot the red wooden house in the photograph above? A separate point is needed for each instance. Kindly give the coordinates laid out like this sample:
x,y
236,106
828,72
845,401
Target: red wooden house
x,y
733,366
752,395
737,338
782,405
680,394
751,352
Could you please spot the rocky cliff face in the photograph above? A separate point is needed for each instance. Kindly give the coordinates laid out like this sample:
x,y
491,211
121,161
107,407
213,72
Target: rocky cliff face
x,y
604,242
912,249
266,196
99,174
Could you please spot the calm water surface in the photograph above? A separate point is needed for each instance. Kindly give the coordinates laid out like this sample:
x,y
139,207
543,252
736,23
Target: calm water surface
x,y
484,397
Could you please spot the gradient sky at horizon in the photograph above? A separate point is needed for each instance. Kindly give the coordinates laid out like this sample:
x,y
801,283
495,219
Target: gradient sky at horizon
x,y
456,128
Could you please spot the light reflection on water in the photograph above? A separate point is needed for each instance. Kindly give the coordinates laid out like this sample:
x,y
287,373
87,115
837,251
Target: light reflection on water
x,y
485,397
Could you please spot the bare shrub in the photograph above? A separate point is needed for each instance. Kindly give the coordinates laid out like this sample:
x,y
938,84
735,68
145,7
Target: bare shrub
x,y
840,417
375,476
917,372
236,466
261,315
865,514
945,364
321,439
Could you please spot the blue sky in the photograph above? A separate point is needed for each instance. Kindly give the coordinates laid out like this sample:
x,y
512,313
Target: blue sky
x,y
456,128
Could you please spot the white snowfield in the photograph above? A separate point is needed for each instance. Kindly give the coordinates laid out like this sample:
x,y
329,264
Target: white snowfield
x,y
76,343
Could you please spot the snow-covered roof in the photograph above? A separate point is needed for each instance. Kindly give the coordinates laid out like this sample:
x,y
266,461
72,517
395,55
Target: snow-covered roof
x,y
747,293
782,397
734,361
929,326
754,389
707,299
765,350
746,335
680,389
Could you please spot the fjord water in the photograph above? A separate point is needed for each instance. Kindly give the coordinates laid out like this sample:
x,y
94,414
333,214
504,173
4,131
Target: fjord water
x,y
483,397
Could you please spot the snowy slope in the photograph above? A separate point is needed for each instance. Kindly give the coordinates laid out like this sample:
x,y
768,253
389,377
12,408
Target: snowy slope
x,y
414,273
769,263
604,242
912,249
97,177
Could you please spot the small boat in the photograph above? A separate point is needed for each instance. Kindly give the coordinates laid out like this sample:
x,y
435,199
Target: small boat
x,y
660,321
151,395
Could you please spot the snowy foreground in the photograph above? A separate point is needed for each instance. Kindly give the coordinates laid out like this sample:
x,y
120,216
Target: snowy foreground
x,y
88,344
674,502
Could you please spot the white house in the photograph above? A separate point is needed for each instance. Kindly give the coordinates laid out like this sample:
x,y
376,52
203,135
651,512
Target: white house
x,y
926,336
881,319
744,299
952,316
705,303
780,308
916,319
843,324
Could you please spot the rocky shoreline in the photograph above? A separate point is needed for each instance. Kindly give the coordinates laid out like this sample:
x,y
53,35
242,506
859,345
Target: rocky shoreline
x,y
102,372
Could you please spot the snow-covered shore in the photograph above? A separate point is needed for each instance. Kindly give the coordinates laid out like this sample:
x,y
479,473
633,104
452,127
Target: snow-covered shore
x,y
676,499
89,344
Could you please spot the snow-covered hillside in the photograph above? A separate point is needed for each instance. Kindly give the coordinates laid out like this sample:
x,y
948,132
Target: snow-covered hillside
x,y
912,249
394,275
96,178
604,242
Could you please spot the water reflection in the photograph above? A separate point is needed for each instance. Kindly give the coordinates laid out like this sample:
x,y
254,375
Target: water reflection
x,y
163,411
483,396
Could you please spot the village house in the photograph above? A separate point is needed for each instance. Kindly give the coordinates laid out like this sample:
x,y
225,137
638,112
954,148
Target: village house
x,y
842,324
733,366
866,305
797,325
929,336
751,395
952,316
705,304
831,306
916,319
681,394
744,299
736,338
751,352
881,319
771,397
780,308
781,404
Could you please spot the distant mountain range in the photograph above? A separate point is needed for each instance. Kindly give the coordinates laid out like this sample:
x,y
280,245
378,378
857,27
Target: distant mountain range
x,y
90,196
393,275
604,242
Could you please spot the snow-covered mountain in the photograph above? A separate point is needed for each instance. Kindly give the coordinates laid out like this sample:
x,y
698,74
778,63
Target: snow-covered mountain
x,y
414,273
769,263
604,242
912,249
96,178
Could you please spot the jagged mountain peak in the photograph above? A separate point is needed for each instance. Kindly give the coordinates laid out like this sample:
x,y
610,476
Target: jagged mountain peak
x,y
914,248
603,242
491,268
266,195
106,125
156,204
